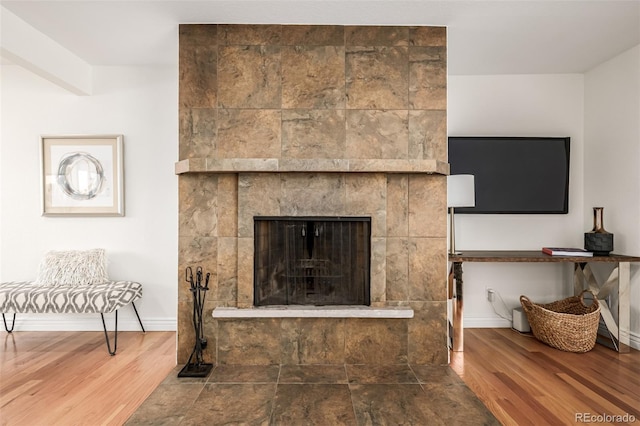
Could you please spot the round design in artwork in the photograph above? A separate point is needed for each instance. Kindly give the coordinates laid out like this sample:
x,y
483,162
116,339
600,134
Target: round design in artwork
x,y
80,175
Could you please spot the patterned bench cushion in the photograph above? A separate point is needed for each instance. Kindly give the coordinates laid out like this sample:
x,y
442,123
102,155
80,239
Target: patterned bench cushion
x,y
28,297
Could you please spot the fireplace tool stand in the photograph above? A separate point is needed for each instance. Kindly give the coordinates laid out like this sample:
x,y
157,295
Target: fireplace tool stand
x,y
196,367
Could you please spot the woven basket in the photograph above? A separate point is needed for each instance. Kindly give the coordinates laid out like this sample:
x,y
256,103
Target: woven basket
x,y
567,324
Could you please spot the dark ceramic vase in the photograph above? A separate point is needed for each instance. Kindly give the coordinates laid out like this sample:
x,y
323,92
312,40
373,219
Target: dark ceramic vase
x,y
598,240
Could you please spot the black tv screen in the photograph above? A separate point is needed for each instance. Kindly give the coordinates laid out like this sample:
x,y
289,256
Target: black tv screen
x,y
514,174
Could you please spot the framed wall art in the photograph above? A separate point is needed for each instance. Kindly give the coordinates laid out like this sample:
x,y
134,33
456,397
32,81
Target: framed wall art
x,y
82,175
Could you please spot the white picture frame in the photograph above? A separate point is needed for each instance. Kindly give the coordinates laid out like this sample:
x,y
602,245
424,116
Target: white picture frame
x,y
82,175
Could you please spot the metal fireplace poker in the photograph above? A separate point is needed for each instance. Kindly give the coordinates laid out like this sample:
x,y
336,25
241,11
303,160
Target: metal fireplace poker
x,y
196,367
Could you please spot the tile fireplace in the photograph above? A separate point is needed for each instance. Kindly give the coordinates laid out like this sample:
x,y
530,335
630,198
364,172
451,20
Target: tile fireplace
x,y
303,125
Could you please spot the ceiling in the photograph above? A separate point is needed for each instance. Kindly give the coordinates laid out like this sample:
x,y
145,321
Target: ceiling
x,y
484,37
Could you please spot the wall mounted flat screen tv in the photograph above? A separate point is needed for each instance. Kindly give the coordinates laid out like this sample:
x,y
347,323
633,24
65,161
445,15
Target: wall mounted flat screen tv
x,y
528,175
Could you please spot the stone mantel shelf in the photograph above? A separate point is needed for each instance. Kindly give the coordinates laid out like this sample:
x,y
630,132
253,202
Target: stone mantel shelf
x,y
299,311
278,165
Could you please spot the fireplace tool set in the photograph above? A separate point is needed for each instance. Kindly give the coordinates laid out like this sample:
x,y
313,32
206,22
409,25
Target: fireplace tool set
x,y
196,367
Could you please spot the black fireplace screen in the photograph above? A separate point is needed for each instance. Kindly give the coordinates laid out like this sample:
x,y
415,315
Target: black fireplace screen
x,y
312,260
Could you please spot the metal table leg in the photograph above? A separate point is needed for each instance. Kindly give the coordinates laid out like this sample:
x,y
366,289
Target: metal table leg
x,y
456,296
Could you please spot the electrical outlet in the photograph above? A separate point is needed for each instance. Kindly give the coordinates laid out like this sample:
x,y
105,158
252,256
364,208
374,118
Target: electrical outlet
x,y
491,296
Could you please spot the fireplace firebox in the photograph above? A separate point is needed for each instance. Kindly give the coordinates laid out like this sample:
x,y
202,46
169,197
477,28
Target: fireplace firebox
x,y
312,260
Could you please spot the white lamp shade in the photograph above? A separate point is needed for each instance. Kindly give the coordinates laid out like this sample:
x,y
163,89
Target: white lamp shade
x,y
461,191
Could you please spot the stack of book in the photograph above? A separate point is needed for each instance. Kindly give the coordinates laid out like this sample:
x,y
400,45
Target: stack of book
x,y
566,251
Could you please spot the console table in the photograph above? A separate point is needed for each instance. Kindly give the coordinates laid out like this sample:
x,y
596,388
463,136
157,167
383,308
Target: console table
x,y
618,281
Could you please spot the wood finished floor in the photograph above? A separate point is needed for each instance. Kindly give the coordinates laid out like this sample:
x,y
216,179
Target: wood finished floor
x,y
69,379
524,382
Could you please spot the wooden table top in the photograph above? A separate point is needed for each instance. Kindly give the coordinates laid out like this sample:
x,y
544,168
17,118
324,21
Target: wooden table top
x,y
532,256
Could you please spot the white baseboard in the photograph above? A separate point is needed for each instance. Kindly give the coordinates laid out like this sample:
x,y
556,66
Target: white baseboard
x,y
86,322
486,323
634,338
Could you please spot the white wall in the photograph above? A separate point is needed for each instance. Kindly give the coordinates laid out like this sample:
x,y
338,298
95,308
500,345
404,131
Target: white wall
x,y
139,103
612,158
518,105
598,111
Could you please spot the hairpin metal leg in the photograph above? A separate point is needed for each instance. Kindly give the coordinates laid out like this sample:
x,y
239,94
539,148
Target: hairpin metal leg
x,y
13,323
138,316
115,332
106,336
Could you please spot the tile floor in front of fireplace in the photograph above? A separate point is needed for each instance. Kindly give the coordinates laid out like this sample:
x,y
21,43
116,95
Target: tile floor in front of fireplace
x,y
315,395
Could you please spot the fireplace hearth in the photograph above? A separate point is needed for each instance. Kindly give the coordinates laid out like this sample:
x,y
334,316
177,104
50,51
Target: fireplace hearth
x,y
312,261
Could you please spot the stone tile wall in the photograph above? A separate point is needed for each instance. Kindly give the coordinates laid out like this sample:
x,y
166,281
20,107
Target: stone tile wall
x,y
315,92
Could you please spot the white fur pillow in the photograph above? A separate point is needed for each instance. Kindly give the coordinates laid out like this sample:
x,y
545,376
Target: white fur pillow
x,y
73,268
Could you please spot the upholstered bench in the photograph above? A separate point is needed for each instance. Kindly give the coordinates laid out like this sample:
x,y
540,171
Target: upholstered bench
x,y
75,284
